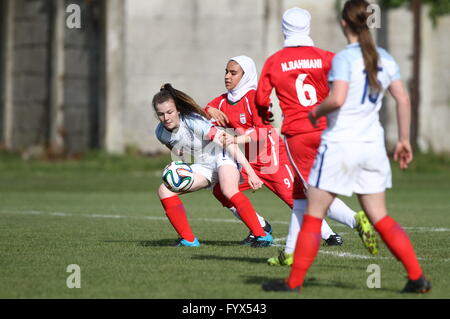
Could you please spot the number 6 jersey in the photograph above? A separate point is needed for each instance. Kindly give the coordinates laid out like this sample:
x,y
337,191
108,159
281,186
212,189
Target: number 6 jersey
x,y
300,77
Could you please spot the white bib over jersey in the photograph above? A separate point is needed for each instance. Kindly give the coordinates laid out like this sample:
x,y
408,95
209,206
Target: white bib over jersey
x,y
358,120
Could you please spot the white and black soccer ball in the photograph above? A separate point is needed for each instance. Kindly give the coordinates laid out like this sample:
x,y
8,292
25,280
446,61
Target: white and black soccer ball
x,y
178,176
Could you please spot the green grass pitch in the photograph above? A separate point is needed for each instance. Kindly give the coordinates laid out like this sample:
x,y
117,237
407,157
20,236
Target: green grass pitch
x,y
102,213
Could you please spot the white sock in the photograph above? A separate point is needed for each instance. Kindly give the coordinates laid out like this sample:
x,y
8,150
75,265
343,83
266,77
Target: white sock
x,y
261,219
326,230
296,223
341,213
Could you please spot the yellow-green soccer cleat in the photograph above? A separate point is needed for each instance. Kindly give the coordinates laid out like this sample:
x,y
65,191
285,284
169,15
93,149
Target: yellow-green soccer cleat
x,y
366,232
283,259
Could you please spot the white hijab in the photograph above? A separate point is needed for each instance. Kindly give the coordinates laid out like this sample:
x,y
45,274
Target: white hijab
x,y
296,26
249,80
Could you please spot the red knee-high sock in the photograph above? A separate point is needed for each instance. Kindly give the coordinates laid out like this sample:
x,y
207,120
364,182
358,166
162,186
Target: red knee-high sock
x,y
306,248
399,244
247,213
177,215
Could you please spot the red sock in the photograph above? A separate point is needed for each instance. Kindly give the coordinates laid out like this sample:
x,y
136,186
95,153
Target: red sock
x,y
400,246
247,213
177,215
306,248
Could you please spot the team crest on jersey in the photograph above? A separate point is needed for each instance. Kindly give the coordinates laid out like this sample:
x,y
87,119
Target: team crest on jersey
x,y
242,118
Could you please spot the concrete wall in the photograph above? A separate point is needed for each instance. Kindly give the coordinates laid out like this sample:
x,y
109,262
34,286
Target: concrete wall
x,y
82,79
434,113
50,75
435,84
400,47
3,28
186,43
30,92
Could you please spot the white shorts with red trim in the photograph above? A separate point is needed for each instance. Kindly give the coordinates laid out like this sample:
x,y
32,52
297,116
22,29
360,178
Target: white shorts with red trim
x,y
347,168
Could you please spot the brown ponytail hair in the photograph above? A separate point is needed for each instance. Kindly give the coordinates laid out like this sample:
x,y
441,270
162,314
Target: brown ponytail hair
x,y
355,14
183,102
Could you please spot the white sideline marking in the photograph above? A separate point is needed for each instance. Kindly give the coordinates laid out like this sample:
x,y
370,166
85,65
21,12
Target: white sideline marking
x,y
218,220
350,255
333,253
214,220
60,214
341,254
433,229
414,229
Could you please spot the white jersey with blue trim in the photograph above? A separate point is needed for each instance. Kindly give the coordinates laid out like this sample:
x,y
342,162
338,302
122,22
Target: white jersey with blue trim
x,y
357,120
191,139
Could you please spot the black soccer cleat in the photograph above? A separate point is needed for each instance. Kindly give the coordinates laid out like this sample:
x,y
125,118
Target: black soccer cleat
x,y
268,228
334,240
420,286
279,285
250,239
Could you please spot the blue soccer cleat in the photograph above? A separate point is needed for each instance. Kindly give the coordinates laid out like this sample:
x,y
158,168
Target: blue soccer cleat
x,y
183,242
262,241
248,241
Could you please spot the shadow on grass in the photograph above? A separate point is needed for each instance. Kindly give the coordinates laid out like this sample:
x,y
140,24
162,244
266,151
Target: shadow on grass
x,y
172,242
314,282
309,282
220,243
146,243
238,259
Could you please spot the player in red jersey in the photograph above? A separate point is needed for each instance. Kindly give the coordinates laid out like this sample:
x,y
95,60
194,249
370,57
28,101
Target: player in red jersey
x,y
355,131
299,74
264,148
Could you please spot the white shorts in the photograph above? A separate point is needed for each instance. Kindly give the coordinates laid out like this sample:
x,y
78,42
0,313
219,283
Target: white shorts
x,y
210,171
347,168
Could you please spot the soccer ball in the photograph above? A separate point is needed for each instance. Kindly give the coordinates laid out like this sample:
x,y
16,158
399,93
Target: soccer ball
x,y
178,176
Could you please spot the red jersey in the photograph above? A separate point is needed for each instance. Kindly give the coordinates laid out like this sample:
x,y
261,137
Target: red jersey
x,y
300,78
243,117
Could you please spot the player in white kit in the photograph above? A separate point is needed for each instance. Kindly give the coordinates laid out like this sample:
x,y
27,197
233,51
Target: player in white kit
x,y
352,156
184,129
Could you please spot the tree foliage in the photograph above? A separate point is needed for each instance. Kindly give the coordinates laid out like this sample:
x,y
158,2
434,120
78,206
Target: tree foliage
x,y
438,8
